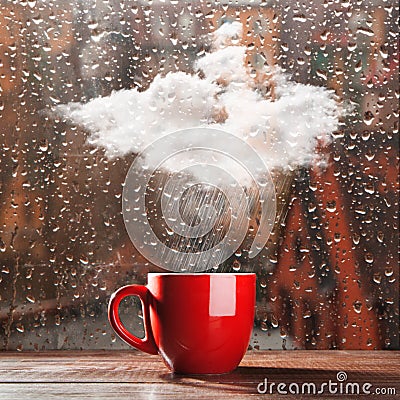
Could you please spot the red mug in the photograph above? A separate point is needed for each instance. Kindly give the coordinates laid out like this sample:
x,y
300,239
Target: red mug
x,y
198,323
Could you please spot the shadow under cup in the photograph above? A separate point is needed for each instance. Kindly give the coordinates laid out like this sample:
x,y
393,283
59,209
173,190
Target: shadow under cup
x,y
199,323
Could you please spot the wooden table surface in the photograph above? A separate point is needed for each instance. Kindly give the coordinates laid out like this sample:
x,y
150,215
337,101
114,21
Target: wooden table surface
x,y
134,375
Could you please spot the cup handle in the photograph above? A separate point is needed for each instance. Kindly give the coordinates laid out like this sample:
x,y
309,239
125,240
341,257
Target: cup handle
x,y
147,344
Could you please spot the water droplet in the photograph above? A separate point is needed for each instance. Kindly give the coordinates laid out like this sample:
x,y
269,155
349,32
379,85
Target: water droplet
x,y
283,333
357,305
31,299
369,189
43,145
351,46
93,25
324,35
331,206
368,118
377,278
366,135
84,260
273,259
236,265
389,271
383,52
365,31
299,18
284,47
263,326
358,66
369,258
322,74
274,321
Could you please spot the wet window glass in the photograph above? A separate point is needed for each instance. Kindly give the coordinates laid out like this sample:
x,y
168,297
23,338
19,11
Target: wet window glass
x,y
86,85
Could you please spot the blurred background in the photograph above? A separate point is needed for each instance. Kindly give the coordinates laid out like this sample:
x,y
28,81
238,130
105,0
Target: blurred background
x,y
332,280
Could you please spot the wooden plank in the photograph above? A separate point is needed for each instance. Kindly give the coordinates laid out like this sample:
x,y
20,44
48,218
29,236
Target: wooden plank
x,y
110,374
86,366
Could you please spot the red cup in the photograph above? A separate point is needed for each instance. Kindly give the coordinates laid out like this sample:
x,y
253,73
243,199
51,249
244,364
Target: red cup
x,y
198,323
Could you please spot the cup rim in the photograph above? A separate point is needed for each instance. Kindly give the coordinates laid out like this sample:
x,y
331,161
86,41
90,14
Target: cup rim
x,y
199,273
